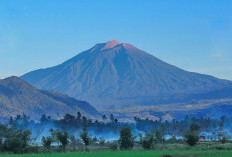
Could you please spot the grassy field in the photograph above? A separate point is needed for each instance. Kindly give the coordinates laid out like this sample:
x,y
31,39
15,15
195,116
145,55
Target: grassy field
x,y
189,153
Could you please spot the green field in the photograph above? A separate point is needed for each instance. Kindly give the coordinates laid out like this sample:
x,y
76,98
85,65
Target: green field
x,y
188,153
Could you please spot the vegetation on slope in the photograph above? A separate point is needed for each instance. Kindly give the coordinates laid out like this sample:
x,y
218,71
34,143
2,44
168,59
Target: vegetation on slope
x,y
18,97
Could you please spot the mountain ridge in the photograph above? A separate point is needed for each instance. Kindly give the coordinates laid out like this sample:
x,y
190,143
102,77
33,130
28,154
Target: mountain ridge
x,y
18,97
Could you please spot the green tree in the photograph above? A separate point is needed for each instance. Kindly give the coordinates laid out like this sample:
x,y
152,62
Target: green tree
x,y
1,142
85,137
79,115
62,137
3,130
102,141
223,139
13,137
94,140
162,132
116,121
191,135
126,139
47,141
158,136
147,142
85,121
113,145
68,117
111,117
104,118
17,140
43,119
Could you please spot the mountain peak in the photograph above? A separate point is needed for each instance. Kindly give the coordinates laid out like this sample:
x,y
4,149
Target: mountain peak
x,y
111,44
118,73
13,79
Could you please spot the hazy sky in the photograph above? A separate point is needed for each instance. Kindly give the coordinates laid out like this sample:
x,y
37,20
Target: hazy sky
x,y
195,35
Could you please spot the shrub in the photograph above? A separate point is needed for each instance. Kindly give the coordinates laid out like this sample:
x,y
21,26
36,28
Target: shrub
x,y
113,146
223,140
102,141
47,141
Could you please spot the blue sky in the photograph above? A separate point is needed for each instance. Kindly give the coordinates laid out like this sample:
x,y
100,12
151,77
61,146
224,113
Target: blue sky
x,y
195,35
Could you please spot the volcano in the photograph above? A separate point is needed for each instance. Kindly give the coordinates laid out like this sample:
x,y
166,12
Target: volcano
x,y
115,75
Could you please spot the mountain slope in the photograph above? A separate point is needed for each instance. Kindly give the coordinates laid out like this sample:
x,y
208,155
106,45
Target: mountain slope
x,y
114,74
17,97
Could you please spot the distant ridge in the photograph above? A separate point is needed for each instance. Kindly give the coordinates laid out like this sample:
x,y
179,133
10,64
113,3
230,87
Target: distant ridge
x,y
115,75
18,97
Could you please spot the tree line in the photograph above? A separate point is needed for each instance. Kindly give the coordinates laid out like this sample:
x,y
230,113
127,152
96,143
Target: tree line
x,y
17,137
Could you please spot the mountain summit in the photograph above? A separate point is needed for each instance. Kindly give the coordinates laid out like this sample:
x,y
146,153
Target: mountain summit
x,y
111,44
115,75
